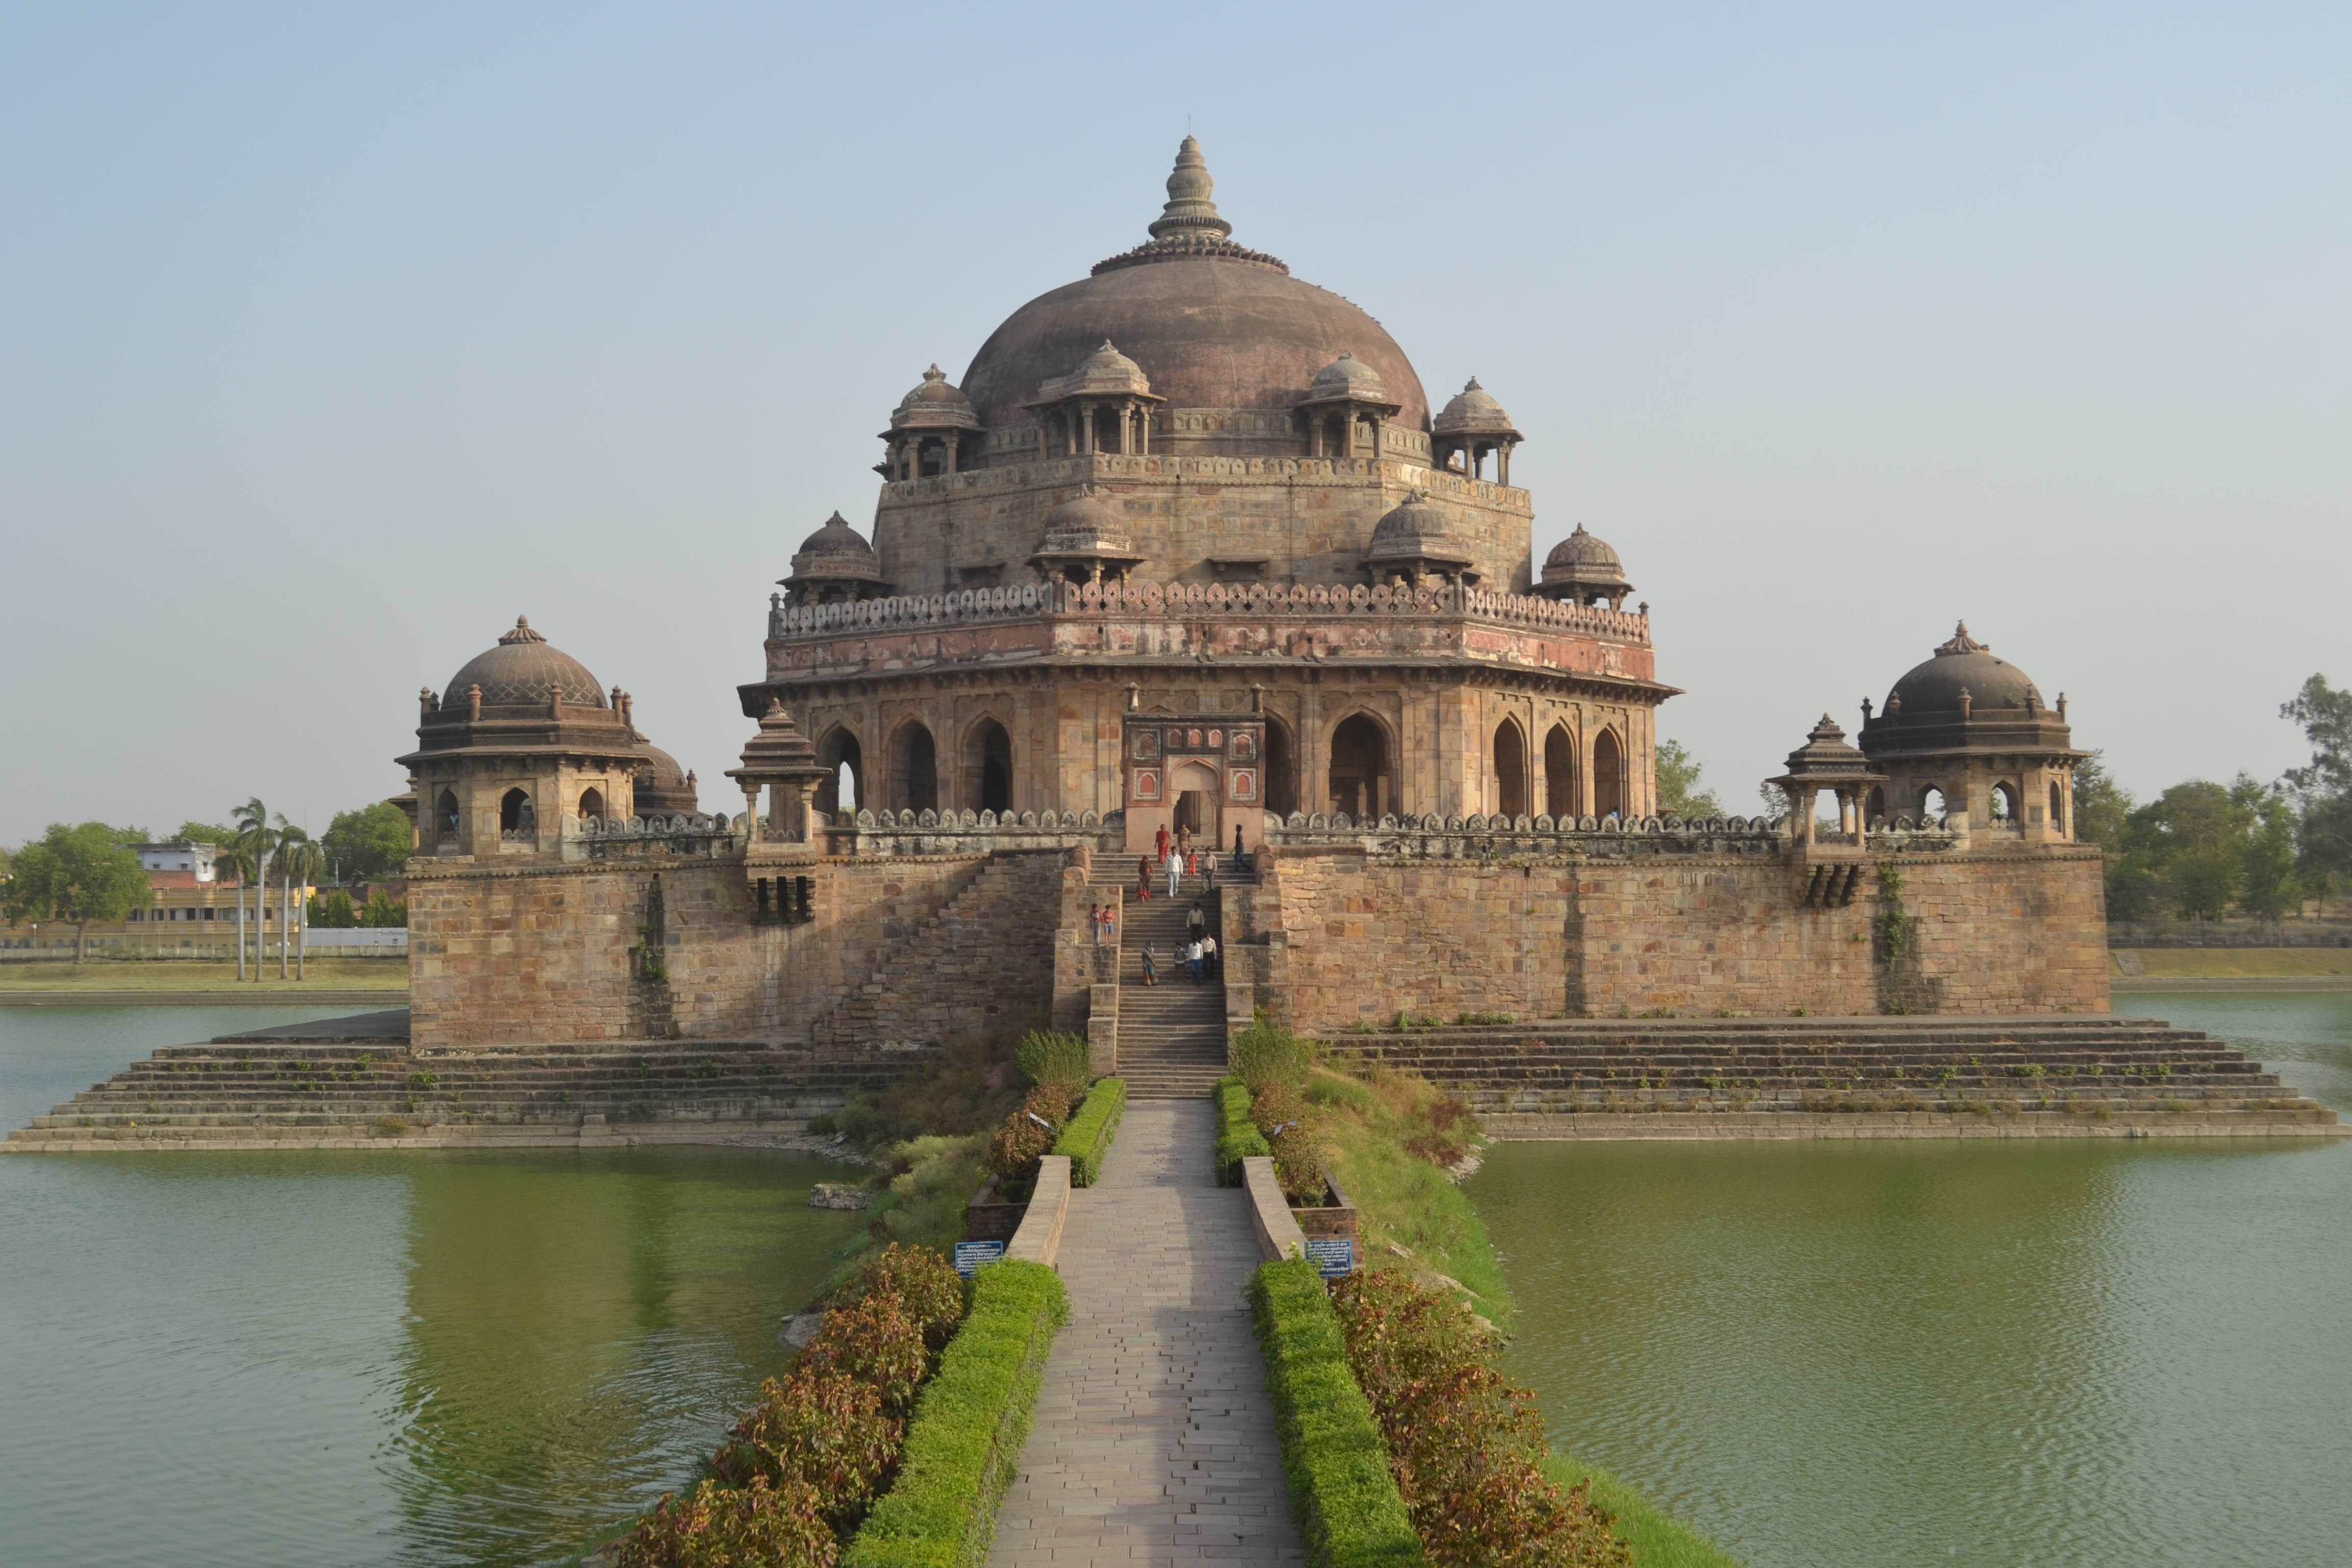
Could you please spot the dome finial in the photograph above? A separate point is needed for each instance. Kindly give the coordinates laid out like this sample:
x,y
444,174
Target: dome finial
x,y
1190,213
1961,643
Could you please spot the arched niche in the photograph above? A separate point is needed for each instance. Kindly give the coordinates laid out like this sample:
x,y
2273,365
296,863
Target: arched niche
x,y
1361,775
1563,795
1510,758
843,788
987,766
1608,774
914,768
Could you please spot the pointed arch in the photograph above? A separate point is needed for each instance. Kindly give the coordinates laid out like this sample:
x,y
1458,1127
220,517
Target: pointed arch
x,y
985,779
1510,759
843,760
1281,786
1608,774
446,817
1363,765
914,768
592,802
1563,780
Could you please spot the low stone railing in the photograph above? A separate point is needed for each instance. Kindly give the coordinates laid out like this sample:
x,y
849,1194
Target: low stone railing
x,y
629,837
1191,600
867,833
1474,836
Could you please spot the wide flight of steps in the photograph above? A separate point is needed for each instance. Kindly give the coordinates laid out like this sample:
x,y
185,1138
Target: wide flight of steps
x,y
1172,1035
355,1082
2054,1073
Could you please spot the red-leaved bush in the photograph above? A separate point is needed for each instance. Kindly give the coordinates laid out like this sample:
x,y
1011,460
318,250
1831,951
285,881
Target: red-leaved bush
x,y
804,1463
1464,1444
723,1527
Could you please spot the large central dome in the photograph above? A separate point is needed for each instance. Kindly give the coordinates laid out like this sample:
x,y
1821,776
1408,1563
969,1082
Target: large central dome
x,y
1213,325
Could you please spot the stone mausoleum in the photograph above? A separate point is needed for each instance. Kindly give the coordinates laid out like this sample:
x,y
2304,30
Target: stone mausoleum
x,y
1187,546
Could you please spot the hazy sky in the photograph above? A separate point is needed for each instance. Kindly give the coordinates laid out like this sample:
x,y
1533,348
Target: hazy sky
x,y
331,338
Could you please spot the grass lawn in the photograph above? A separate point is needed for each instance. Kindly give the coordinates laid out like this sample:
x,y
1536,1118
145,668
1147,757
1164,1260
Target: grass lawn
x,y
388,974
1658,1541
2237,963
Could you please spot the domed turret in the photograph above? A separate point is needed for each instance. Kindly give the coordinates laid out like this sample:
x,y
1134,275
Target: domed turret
x,y
1085,540
833,564
663,788
1345,393
1584,570
928,430
1103,406
1415,540
1469,427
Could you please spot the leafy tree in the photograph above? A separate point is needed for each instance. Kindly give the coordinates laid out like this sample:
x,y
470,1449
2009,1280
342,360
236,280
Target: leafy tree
x,y
1678,791
206,833
78,874
2323,789
383,910
2267,884
367,844
2103,813
331,910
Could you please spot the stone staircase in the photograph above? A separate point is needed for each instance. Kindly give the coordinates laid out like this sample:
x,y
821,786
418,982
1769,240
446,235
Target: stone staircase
x,y
2054,1069
1172,1035
956,968
356,1082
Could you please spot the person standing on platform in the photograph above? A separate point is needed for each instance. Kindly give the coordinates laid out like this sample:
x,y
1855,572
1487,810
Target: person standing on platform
x,y
1237,848
1160,843
1193,957
1209,960
1110,926
1175,875
1196,920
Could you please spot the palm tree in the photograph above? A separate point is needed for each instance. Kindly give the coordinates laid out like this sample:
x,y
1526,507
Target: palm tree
x,y
256,843
300,859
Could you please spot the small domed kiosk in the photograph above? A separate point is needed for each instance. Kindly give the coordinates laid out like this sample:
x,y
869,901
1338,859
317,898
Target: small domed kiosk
x,y
523,740
1968,733
1585,569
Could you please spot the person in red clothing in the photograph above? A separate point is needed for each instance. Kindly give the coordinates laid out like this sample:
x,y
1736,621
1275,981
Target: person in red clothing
x,y
1143,877
1159,845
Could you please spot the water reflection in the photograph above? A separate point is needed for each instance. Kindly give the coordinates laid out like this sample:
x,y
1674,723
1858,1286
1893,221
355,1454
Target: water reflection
x,y
1907,1352
579,1326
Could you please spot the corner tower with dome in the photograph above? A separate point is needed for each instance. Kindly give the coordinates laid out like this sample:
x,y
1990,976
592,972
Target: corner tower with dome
x,y
1193,484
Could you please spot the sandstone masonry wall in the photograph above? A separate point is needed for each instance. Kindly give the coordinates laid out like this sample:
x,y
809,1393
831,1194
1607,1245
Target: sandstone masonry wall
x,y
1360,939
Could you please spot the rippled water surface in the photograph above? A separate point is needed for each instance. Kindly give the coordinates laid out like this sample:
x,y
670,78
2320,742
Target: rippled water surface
x,y
2087,1352
329,1358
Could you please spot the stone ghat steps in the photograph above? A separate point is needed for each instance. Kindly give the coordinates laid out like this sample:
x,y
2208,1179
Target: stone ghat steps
x,y
223,1091
2094,1066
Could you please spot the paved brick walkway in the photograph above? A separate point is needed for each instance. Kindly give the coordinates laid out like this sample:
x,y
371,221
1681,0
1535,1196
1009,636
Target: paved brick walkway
x,y
1153,1442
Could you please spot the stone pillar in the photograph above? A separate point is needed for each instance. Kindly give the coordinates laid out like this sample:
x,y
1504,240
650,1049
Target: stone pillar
x,y
1348,447
1503,464
1089,415
1377,429
1143,428
752,811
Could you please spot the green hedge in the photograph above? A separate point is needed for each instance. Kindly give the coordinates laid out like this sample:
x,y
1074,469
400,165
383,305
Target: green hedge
x,y
1087,1137
1237,1139
1341,1493
964,1446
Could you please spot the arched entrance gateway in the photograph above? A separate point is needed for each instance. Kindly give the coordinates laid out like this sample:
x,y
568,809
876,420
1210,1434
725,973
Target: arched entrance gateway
x,y
987,768
844,785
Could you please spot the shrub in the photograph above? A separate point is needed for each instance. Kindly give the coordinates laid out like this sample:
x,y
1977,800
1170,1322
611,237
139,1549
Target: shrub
x,y
926,1285
860,1121
932,1181
719,1527
828,1431
1057,1060
1342,1491
1237,1139
964,1444
1444,1136
873,1340
1465,1446
1087,1137
1024,1137
1267,1054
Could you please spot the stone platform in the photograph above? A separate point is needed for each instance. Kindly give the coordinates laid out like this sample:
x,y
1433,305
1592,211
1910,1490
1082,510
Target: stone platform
x,y
357,1082
2050,1075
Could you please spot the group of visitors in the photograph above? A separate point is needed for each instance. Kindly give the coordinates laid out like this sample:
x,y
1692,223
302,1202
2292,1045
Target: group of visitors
x,y
1175,856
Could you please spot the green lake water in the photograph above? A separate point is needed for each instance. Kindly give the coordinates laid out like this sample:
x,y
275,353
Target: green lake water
x,y
2090,1353
326,1358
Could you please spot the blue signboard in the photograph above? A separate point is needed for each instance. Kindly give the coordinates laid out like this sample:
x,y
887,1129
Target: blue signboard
x,y
971,1255
1334,1255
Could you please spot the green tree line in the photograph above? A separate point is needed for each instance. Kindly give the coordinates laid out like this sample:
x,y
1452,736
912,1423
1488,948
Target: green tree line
x,y
2201,849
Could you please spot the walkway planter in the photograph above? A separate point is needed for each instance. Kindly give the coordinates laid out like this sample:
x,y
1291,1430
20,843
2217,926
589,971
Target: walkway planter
x,y
1335,1217
986,1218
